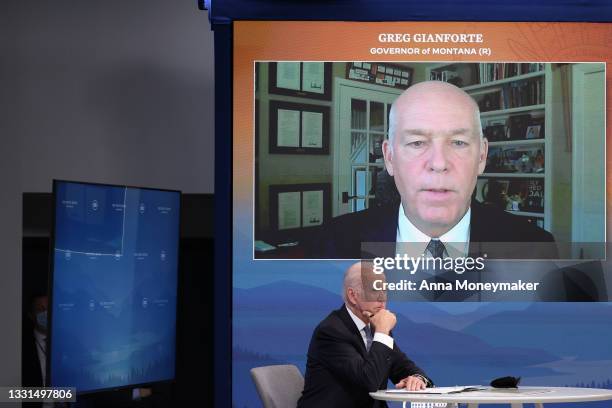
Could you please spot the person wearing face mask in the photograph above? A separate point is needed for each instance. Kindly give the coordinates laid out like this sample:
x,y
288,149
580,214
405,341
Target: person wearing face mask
x,y
352,351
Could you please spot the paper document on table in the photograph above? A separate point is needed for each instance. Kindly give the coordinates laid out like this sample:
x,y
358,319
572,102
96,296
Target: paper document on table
x,y
439,390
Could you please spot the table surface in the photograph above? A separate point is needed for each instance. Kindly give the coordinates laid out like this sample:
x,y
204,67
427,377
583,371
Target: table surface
x,y
497,395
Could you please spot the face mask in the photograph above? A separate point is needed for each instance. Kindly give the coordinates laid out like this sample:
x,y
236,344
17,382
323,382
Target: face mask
x,y
41,319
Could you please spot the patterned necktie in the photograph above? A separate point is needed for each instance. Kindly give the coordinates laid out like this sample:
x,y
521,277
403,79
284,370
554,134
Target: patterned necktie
x,y
436,248
368,332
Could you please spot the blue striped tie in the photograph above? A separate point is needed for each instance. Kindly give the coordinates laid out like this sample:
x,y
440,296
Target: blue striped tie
x,y
369,337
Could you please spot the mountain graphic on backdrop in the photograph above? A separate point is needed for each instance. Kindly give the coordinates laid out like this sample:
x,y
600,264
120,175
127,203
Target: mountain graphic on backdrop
x,y
570,329
273,324
279,318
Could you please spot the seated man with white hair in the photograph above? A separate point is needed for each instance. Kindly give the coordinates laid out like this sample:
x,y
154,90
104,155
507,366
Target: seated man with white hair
x,y
352,351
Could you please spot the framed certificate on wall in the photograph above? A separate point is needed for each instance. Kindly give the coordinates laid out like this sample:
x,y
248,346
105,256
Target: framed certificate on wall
x,y
303,79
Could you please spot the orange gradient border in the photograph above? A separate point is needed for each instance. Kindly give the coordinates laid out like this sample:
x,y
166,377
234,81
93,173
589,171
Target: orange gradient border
x,y
352,41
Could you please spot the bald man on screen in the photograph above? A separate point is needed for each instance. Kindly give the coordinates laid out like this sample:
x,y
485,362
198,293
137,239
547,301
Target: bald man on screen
x,y
435,152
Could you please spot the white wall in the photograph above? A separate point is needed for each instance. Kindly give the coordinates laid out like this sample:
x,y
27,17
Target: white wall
x,y
109,91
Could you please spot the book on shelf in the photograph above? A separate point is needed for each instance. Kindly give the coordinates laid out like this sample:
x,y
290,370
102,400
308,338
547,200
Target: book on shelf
x,y
523,93
489,72
466,74
533,199
528,92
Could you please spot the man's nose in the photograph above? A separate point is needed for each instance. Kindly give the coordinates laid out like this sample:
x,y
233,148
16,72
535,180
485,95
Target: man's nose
x,y
438,160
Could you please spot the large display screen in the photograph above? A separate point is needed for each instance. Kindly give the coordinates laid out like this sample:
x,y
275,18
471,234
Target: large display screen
x,y
325,173
114,286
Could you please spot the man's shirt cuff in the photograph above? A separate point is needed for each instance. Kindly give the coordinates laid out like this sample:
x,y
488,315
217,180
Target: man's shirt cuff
x,y
384,339
425,379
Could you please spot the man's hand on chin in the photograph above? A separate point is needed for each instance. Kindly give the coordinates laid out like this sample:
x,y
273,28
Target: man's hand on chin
x,y
383,320
412,383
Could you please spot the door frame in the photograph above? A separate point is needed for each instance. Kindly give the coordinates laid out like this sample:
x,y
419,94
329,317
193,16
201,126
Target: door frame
x,y
580,159
339,85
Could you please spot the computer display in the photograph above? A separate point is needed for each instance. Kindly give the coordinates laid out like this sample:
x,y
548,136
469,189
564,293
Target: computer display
x,y
113,286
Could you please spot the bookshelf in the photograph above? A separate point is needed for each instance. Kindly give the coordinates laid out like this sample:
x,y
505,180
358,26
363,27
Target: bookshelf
x,y
515,106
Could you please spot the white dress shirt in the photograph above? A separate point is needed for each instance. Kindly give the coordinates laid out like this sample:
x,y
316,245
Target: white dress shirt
x,y
378,336
456,240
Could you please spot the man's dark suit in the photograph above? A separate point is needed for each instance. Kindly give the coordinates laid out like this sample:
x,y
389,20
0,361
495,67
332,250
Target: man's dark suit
x,y
343,236
341,373
31,374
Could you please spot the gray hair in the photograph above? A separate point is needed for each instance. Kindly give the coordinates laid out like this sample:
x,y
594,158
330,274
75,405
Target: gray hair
x,y
352,279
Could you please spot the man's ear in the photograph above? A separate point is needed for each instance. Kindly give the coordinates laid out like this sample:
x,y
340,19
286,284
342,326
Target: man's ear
x,y
388,155
482,159
350,296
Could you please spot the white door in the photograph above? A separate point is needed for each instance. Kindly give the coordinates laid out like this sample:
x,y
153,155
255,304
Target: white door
x,y
361,124
588,171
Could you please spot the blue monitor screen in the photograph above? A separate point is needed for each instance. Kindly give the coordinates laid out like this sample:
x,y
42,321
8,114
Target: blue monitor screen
x,y
114,286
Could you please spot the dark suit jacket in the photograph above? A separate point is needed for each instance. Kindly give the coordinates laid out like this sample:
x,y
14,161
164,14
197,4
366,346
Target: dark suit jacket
x,y
340,372
343,236
31,375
